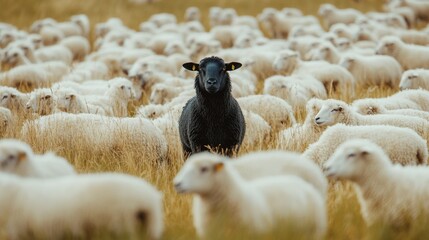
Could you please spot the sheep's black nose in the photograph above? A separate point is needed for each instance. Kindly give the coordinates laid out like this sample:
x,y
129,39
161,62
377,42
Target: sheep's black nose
x,y
317,118
211,81
177,185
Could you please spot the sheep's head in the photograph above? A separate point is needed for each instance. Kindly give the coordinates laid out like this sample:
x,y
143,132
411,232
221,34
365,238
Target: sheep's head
x,y
122,88
283,61
326,9
212,73
354,158
158,94
13,56
41,101
347,62
388,46
331,112
407,80
198,173
65,99
13,153
368,107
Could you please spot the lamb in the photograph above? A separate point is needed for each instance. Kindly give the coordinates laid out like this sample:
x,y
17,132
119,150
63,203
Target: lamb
x,y
335,111
275,111
13,99
332,15
390,195
403,145
17,157
132,208
223,197
373,70
295,89
97,133
213,118
78,46
404,53
115,101
299,136
414,79
333,77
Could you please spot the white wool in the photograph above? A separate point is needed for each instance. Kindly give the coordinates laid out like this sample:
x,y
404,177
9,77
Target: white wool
x,y
257,131
376,108
69,204
335,111
389,194
258,206
373,70
163,93
415,79
100,133
79,46
42,101
408,55
192,14
277,112
403,145
87,70
83,22
17,157
6,120
54,53
335,78
13,99
332,15
295,89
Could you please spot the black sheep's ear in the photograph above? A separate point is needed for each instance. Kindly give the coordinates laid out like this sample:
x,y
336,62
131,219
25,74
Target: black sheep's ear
x,y
191,66
232,66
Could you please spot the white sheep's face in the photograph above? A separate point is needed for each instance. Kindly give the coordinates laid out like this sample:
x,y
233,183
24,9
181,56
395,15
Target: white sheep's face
x,y
12,56
127,91
347,62
329,114
348,161
283,60
407,80
40,103
11,156
197,175
157,95
386,48
65,100
5,100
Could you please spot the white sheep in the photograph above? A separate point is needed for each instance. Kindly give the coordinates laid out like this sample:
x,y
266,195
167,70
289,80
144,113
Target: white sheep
x,y
295,89
373,70
6,120
405,54
83,22
277,112
299,136
87,70
388,194
192,14
403,145
332,15
54,53
68,100
78,46
257,131
42,101
98,133
414,79
257,206
377,108
334,78
122,206
334,111
18,158
13,99
163,93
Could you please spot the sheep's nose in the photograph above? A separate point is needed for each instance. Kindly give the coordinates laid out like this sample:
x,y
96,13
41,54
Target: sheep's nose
x,y
317,118
325,168
177,185
28,107
211,81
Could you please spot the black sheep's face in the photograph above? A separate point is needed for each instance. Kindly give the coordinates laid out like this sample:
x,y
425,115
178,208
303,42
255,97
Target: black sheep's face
x,y
212,73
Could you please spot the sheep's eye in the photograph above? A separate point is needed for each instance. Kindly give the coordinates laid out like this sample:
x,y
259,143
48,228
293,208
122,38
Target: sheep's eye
x,y
10,157
204,169
351,155
15,54
4,97
67,98
334,110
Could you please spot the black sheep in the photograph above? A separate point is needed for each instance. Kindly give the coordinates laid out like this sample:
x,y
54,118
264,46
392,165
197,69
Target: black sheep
x,y
212,119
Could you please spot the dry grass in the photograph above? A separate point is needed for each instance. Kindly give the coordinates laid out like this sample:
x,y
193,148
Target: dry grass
x,y
345,221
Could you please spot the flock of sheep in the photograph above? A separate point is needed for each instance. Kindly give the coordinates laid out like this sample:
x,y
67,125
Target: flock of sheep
x,y
54,89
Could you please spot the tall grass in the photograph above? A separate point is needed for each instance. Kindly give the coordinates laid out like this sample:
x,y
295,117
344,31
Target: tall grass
x,y
345,221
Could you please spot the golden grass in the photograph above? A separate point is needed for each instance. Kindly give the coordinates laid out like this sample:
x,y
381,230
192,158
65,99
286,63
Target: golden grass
x,y
345,221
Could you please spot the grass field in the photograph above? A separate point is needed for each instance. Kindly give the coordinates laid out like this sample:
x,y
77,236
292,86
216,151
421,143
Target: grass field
x,y
345,221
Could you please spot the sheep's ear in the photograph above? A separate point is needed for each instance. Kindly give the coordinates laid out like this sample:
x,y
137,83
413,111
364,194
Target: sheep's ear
x,y
122,87
72,96
364,153
232,66
340,109
218,166
125,71
191,66
22,156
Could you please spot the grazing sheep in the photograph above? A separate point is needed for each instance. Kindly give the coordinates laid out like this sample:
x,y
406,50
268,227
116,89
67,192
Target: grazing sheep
x,y
332,15
388,194
334,78
404,53
18,158
335,111
81,206
258,206
403,145
373,70
275,111
295,89
97,133
213,118
415,79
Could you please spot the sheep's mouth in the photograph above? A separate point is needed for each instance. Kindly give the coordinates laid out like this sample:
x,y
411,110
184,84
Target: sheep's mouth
x,y
211,89
320,123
